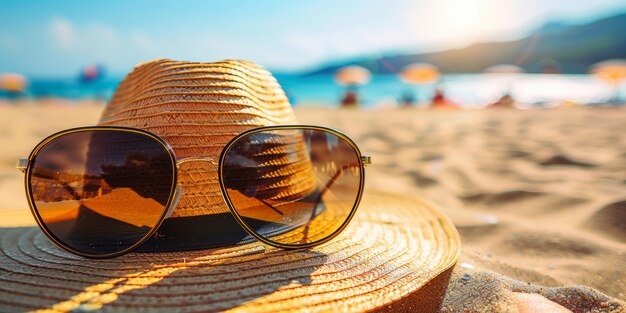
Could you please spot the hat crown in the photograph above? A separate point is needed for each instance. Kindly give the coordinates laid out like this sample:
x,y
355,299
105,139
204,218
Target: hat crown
x,y
197,108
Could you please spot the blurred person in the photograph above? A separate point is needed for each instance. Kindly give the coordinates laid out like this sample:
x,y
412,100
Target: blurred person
x,y
439,101
350,98
506,101
408,99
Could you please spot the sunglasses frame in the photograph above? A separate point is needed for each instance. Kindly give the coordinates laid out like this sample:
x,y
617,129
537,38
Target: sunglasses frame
x,y
363,160
58,242
24,165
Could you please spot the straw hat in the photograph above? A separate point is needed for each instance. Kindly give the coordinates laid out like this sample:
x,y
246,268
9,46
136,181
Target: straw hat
x,y
197,108
397,254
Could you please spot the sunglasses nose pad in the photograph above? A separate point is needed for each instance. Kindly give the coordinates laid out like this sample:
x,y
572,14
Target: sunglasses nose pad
x,y
178,194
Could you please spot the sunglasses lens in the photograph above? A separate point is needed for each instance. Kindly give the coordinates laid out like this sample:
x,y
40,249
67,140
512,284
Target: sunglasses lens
x,y
292,186
101,191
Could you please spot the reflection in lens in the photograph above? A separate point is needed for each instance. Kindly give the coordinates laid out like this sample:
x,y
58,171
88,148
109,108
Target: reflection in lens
x,y
101,191
292,186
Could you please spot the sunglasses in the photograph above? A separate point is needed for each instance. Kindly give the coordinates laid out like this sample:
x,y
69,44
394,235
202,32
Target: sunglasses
x,y
103,191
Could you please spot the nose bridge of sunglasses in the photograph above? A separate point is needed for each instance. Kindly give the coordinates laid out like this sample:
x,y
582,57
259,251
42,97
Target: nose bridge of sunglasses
x,y
182,161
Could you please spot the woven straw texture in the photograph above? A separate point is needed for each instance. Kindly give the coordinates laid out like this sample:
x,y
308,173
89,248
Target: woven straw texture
x,y
393,248
197,108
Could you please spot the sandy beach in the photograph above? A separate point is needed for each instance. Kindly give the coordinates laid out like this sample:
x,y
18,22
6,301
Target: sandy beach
x,y
538,196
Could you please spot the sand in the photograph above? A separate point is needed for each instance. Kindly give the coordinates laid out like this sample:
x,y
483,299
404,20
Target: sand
x,y
538,196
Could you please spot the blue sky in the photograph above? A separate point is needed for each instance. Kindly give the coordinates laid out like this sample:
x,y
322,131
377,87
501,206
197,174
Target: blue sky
x,y
57,38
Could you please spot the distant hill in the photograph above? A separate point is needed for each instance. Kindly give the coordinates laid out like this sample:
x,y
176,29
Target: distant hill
x,y
554,47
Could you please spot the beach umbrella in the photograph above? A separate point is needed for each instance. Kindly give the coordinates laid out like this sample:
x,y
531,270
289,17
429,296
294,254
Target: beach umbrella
x,y
613,70
13,82
504,69
353,75
420,73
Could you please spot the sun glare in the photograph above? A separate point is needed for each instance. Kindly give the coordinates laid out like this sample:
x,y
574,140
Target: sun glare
x,y
459,19
458,22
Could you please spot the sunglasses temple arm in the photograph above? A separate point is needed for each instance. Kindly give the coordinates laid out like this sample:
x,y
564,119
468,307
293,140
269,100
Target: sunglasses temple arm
x,y
326,187
22,165
271,206
319,197
332,180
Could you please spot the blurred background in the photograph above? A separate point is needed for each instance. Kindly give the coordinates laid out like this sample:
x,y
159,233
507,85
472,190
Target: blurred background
x,y
451,53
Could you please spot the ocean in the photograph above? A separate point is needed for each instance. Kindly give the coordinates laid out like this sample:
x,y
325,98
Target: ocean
x,y
467,90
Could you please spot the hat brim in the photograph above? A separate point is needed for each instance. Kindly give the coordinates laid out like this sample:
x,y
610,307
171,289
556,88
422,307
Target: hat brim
x,y
397,254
